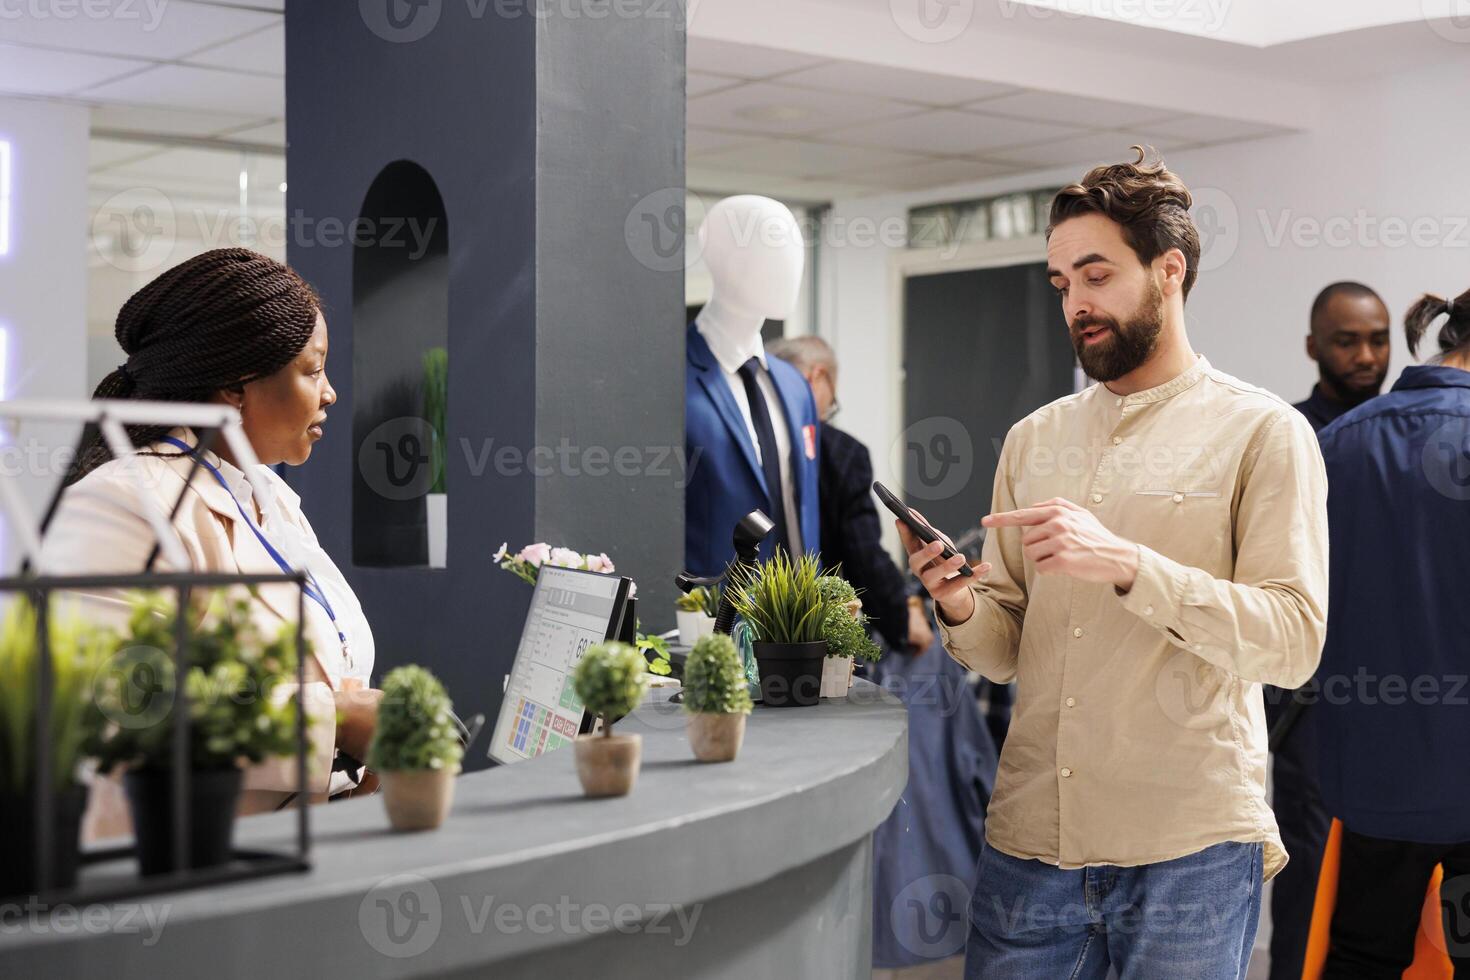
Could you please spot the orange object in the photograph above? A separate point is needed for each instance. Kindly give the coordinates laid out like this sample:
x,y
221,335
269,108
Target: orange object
x,y
1431,962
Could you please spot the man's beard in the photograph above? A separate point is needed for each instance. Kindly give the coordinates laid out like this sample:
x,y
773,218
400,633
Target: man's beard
x,y
1129,345
1349,392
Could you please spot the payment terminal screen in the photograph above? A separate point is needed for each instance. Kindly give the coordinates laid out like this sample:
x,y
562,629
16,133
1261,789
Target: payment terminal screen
x,y
570,611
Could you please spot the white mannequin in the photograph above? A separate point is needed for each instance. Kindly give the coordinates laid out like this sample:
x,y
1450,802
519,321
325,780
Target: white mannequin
x,y
755,254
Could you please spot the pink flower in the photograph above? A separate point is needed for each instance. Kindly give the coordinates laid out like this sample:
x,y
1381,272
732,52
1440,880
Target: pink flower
x,y
566,558
535,554
499,556
600,563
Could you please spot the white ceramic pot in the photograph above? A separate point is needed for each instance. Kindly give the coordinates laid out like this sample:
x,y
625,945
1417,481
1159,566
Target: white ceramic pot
x,y
836,676
693,625
438,505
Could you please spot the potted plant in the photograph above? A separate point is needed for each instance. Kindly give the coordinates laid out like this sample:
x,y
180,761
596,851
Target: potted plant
x,y
716,699
846,630
415,749
233,721
695,613
609,681
77,651
436,400
784,607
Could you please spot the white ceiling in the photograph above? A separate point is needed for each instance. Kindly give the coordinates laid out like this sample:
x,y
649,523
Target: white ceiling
x,y
759,118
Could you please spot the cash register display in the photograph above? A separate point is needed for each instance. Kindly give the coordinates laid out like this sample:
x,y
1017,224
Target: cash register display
x,y
570,610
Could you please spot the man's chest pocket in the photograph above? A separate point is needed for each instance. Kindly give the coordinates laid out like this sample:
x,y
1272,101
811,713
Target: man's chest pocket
x,y
1183,513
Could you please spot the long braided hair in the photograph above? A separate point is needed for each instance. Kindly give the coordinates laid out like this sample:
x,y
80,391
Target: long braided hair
x,y
214,322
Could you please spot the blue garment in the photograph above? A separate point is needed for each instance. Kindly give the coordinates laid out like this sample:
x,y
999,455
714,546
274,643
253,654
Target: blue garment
x,y
1394,709
1193,917
725,482
924,854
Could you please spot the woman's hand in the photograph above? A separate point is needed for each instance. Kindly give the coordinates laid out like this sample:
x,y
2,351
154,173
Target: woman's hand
x,y
357,717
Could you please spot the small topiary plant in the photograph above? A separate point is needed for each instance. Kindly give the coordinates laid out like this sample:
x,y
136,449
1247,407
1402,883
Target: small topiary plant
x,y
415,730
610,680
846,633
714,678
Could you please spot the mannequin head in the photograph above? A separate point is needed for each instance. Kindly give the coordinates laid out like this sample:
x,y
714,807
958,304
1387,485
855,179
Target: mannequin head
x,y
755,254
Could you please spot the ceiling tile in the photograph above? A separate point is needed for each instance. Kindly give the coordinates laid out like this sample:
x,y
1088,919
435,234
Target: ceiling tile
x,y
698,140
263,52
948,132
743,60
894,83
32,71
701,83
169,122
799,158
1076,110
1212,129
197,88
935,173
768,108
132,28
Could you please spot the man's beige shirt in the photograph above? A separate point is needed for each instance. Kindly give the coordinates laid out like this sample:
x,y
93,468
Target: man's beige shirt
x,y
1139,730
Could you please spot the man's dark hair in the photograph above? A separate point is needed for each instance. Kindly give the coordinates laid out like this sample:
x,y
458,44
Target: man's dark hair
x,y
1344,288
1146,199
216,321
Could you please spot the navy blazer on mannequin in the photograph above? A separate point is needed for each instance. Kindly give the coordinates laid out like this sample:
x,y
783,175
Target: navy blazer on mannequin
x,y
725,482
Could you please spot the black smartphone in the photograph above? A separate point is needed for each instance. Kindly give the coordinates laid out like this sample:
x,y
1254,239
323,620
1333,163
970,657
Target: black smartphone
x,y
921,528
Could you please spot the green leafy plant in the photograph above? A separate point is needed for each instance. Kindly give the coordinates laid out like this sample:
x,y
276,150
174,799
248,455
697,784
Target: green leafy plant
x,y
714,678
233,670
77,652
701,600
846,631
610,681
781,600
652,643
436,400
415,728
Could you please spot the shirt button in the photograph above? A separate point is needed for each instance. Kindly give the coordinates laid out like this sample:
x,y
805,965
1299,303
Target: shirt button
x,y
1148,610
1179,498
1117,440
1066,773
1077,631
1071,702
1097,498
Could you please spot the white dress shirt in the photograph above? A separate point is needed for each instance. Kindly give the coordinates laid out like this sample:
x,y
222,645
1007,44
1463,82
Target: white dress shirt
x,y
732,353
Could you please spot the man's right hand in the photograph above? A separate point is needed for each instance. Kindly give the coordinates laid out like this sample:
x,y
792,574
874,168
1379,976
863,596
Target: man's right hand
x,y
953,599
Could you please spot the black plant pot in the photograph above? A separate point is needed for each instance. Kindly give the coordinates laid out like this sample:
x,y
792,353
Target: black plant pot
x,y
18,840
213,794
791,673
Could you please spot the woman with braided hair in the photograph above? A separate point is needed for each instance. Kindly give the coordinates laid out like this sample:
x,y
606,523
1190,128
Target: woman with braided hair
x,y
228,327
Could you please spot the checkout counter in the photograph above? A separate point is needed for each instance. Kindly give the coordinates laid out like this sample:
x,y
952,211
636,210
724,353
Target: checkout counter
x,y
762,867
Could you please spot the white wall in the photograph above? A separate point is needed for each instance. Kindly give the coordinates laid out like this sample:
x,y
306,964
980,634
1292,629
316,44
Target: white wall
x,y
1377,192
43,284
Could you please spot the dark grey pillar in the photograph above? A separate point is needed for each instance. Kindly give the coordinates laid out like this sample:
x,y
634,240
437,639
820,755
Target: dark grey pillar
x,y
547,130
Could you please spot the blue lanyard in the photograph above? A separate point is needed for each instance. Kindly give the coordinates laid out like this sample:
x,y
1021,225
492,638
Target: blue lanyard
x,y
311,588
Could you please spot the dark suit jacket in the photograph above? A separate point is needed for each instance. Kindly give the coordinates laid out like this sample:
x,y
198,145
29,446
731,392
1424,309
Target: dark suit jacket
x,y
851,532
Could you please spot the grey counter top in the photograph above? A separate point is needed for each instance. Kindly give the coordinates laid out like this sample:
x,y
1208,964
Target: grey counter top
x,y
523,863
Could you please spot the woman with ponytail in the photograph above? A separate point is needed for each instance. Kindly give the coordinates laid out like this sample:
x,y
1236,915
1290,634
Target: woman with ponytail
x,y
1394,720
229,327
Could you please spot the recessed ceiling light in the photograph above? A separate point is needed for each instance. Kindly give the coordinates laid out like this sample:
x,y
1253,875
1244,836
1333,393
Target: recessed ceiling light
x,y
773,113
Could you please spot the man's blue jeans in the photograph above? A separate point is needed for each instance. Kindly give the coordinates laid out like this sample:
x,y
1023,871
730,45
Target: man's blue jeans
x,y
1193,918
